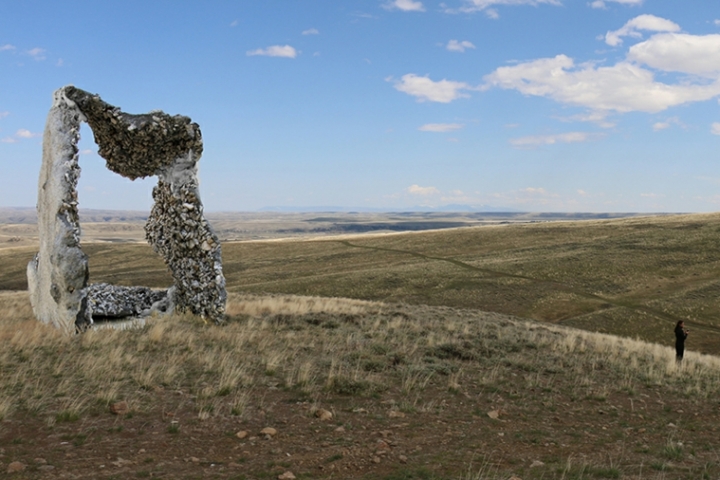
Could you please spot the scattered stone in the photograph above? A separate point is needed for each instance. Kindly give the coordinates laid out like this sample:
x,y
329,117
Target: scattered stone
x,y
40,461
514,477
671,425
323,414
376,459
234,465
494,414
340,429
537,463
194,459
241,434
121,462
403,459
396,414
268,431
15,467
46,468
119,408
286,476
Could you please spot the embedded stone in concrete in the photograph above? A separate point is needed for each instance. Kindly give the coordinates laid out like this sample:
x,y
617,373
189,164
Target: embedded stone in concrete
x,y
133,146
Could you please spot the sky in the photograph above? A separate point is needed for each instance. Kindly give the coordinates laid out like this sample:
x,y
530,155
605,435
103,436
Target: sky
x,y
532,105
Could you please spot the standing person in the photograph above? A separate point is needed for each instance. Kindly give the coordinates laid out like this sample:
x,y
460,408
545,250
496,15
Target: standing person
x,y
680,335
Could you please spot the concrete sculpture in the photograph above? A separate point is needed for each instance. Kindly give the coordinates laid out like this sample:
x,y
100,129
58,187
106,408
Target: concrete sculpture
x,y
133,146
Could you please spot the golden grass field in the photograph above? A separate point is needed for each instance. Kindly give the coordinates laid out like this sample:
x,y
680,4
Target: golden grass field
x,y
469,353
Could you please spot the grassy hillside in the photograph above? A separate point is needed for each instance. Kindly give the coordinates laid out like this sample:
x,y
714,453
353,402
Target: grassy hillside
x,y
407,377
632,277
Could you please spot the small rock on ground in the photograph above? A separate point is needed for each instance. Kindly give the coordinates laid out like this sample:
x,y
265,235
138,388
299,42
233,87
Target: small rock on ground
x,y
286,476
15,467
323,414
119,408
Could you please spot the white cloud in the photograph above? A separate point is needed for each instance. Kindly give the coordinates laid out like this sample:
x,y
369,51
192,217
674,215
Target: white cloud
x,y
87,151
680,52
623,87
441,127
285,51
444,91
455,46
311,31
716,22
405,5
19,135
569,137
23,133
715,128
37,53
234,23
658,126
4,114
598,117
535,191
7,47
601,3
424,191
642,22
480,5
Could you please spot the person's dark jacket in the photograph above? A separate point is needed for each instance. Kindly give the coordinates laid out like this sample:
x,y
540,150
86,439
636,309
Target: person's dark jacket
x,y
680,336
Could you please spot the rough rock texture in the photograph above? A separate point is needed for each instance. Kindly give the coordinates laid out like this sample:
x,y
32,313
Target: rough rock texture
x,y
59,272
133,146
111,302
137,146
178,231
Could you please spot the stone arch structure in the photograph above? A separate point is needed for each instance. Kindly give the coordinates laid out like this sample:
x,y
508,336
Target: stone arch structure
x,y
133,146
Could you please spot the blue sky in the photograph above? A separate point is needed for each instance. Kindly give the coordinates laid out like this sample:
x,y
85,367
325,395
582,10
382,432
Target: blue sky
x,y
537,105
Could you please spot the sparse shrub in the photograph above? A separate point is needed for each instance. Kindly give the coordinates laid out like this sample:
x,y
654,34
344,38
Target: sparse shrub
x,y
67,416
346,386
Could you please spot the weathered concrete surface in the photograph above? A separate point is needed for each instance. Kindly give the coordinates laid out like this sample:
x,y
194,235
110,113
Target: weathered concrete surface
x,y
133,146
59,273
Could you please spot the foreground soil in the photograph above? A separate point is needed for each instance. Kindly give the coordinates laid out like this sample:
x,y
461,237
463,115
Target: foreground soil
x,y
471,431
314,387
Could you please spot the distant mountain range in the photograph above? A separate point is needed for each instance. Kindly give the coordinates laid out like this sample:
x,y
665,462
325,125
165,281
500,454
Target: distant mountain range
x,y
417,208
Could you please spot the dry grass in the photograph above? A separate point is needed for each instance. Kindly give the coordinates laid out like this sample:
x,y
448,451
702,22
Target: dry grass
x,y
318,345
319,348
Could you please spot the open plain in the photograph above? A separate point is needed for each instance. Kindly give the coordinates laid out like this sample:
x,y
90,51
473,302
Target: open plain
x,y
499,348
